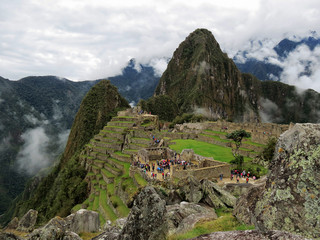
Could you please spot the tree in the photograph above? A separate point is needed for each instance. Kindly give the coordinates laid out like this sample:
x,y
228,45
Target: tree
x,y
238,160
237,137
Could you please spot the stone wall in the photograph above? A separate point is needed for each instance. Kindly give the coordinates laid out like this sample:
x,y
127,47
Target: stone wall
x,y
156,153
202,173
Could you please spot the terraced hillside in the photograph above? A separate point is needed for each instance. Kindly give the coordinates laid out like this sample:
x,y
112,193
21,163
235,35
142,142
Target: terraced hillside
x,y
107,159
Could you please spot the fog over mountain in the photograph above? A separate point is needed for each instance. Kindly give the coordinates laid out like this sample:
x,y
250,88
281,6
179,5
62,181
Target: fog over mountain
x,y
293,60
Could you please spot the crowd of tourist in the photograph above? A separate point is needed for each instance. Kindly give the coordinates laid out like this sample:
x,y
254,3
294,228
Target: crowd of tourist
x,y
241,174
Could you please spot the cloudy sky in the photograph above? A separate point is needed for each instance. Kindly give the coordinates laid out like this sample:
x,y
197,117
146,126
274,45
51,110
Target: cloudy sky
x,y
91,39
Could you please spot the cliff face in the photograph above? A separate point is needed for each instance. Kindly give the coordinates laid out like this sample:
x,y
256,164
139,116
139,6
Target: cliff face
x,y
201,78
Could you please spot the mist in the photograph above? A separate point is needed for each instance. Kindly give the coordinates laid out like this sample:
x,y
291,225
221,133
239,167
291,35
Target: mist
x,y
40,149
269,111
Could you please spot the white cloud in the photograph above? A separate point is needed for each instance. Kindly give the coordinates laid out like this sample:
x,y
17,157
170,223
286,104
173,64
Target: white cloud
x,y
84,40
159,65
302,68
33,157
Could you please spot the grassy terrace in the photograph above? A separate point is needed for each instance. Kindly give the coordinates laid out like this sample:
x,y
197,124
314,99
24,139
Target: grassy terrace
x,y
122,122
107,209
140,180
216,132
117,203
122,154
95,205
216,138
141,138
107,173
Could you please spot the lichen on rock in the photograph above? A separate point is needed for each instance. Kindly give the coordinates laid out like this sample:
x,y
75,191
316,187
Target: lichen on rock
x,y
291,198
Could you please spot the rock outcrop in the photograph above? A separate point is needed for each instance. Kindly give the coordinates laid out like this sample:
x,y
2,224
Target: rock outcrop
x,y
290,200
250,235
68,228
182,217
146,219
83,221
9,236
215,196
27,222
13,224
56,228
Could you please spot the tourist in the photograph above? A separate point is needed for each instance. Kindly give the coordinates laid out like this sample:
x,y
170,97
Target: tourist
x,y
254,178
247,180
221,176
238,178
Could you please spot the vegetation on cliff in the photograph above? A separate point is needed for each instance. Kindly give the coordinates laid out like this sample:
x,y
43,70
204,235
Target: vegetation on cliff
x,y
64,186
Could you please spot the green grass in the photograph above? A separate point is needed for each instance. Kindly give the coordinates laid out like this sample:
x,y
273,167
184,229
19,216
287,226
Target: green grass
x,y
117,203
254,143
140,180
122,122
110,189
225,222
218,153
111,167
95,205
141,138
103,203
122,154
216,138
107,173
76,207
216,132
102,220
128,186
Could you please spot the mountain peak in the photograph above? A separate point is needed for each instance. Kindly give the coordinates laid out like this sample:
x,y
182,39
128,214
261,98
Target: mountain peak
x,y
200,75
198,46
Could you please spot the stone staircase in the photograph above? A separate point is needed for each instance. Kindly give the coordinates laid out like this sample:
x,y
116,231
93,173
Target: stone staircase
x,y
107,158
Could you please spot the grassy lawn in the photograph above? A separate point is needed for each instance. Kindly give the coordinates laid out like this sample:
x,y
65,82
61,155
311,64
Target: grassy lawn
x,y
225,222
218,153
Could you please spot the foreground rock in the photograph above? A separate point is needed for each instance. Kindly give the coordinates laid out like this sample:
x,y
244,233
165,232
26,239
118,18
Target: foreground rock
x,y
290,200
27,222
182,217
56,228
69,227
146,219
83,221
9,236
215,196
250,235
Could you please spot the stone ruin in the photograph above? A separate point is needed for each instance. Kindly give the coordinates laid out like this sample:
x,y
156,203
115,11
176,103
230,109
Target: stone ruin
x,y
201,168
